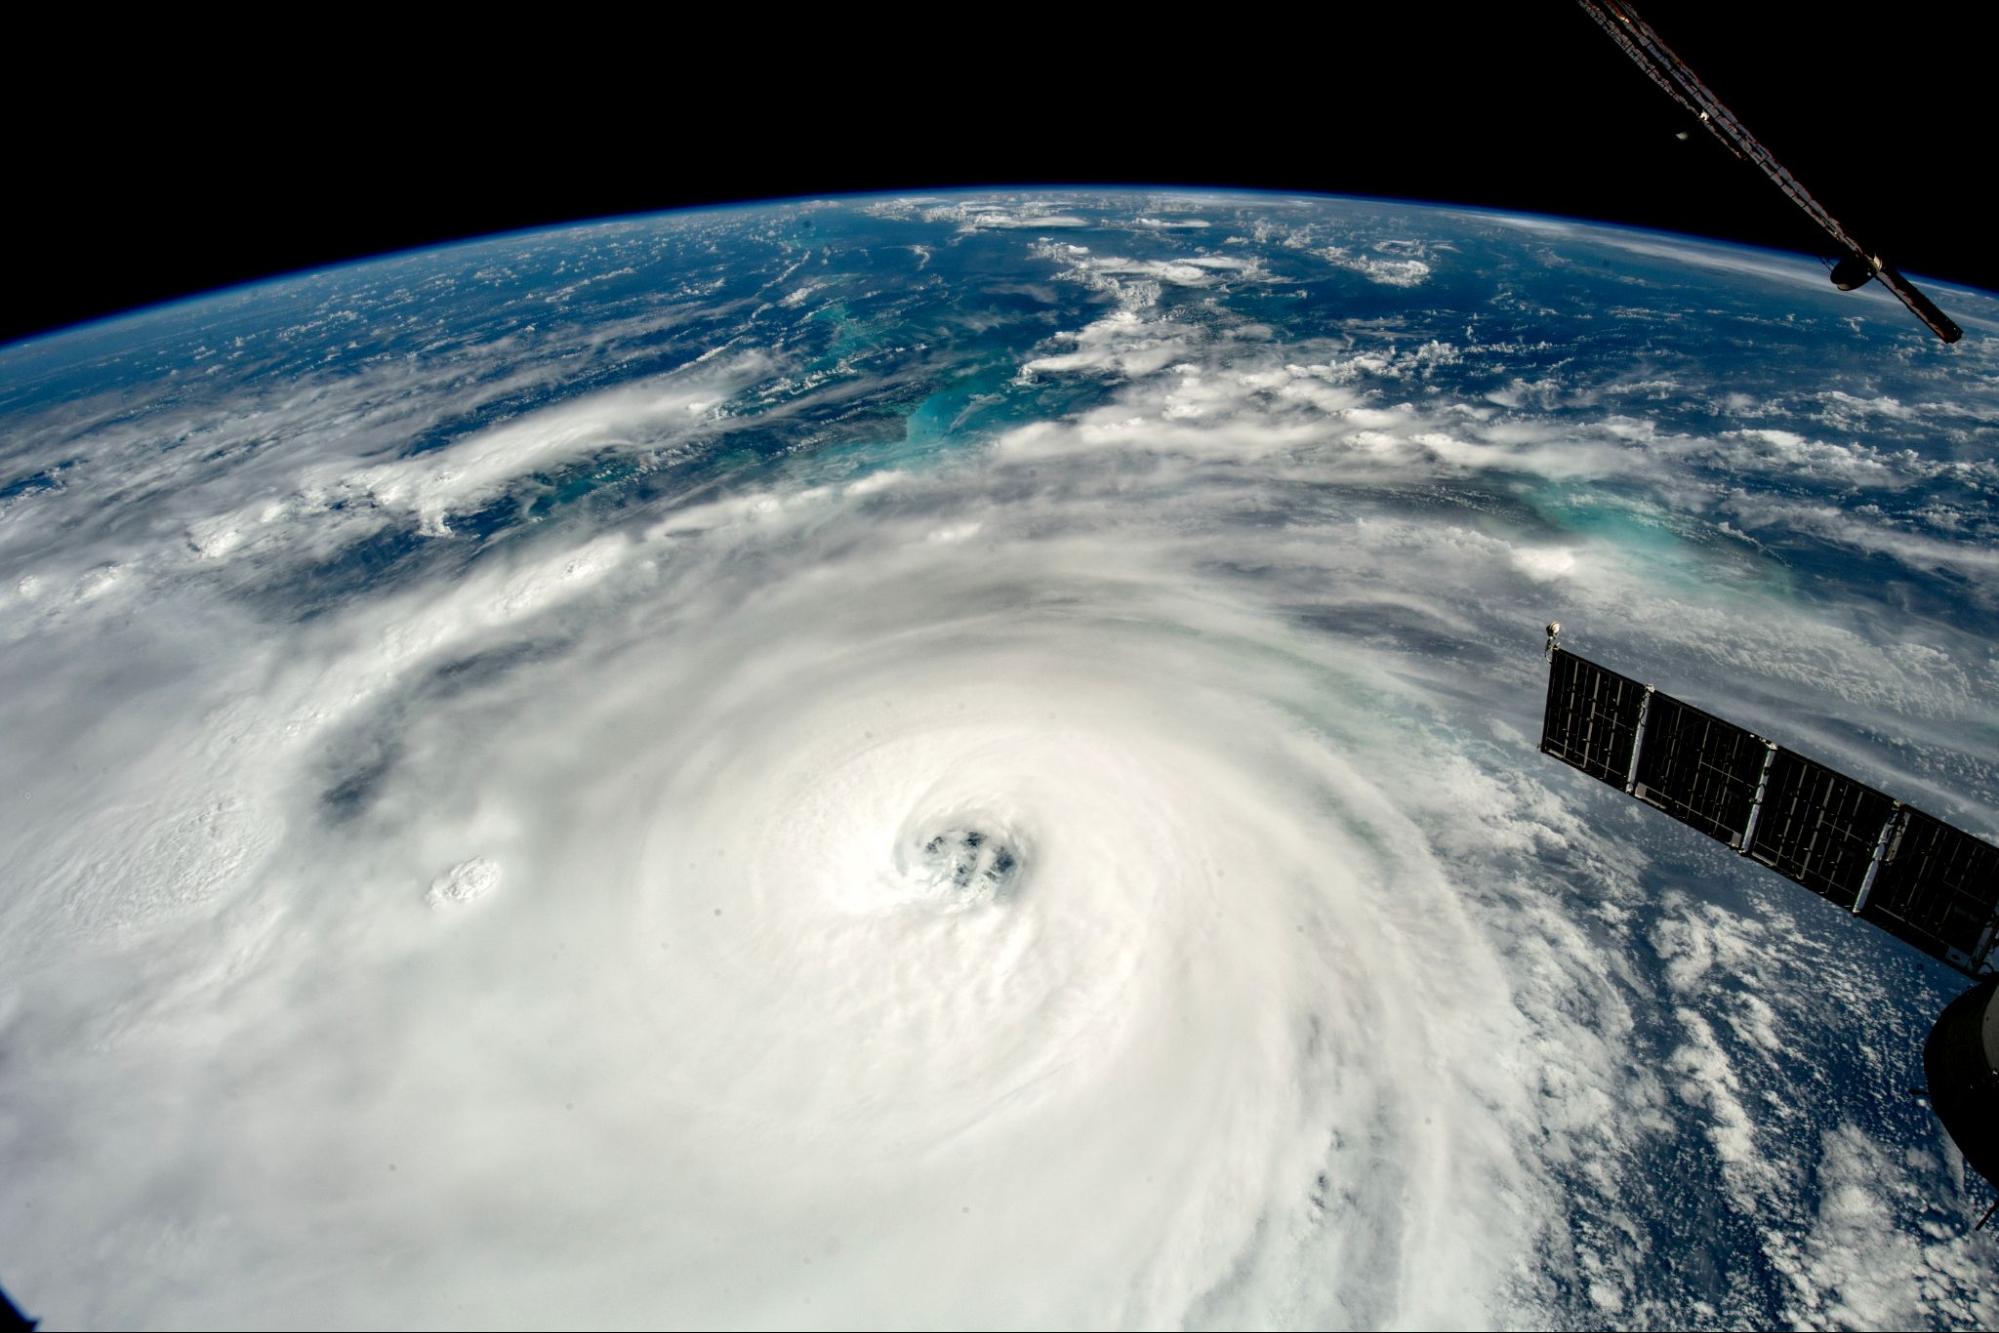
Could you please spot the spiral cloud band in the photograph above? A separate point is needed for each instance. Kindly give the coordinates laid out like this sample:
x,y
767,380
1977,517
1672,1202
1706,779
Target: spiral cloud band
x,y
581,823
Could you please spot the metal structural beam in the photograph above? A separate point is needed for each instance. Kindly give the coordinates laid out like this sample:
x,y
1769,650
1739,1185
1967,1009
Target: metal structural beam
x,y
1635,37
1907,872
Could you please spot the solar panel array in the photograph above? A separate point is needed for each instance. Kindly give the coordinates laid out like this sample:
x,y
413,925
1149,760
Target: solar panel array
x,y
1909,873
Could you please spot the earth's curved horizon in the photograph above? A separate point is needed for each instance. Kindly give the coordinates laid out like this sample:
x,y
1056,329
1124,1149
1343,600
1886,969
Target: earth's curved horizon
x,y
969,759
249,286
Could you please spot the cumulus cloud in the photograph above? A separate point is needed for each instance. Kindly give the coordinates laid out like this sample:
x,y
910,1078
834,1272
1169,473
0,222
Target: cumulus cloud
x,y
1007,215
1122,343
1396,267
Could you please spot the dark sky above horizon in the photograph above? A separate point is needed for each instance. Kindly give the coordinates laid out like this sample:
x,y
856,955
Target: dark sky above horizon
x,y
193,172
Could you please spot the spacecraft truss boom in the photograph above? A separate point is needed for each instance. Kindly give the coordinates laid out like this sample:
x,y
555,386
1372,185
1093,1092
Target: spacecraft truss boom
x,y
1637,40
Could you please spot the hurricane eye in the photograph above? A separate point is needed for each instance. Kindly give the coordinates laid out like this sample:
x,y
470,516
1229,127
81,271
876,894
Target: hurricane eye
x,y
976,862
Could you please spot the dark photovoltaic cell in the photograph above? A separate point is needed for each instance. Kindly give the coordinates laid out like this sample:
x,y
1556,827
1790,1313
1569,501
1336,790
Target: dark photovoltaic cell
x,y
1592,717
1699,769
1819,827
1939,890
1912,875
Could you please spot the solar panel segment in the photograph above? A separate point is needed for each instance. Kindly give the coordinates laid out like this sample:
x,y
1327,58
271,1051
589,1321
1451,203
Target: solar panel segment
x,y
1699,769
1939,890
1591,721
1909,873
1819,827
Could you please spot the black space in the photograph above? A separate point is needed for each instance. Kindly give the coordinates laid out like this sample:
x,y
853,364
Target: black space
x,y
190,162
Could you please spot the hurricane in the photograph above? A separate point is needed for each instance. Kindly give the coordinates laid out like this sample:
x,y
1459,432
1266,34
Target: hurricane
x,y
971,760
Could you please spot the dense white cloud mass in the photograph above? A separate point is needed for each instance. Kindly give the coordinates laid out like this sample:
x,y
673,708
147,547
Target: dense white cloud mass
x,y
864,766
